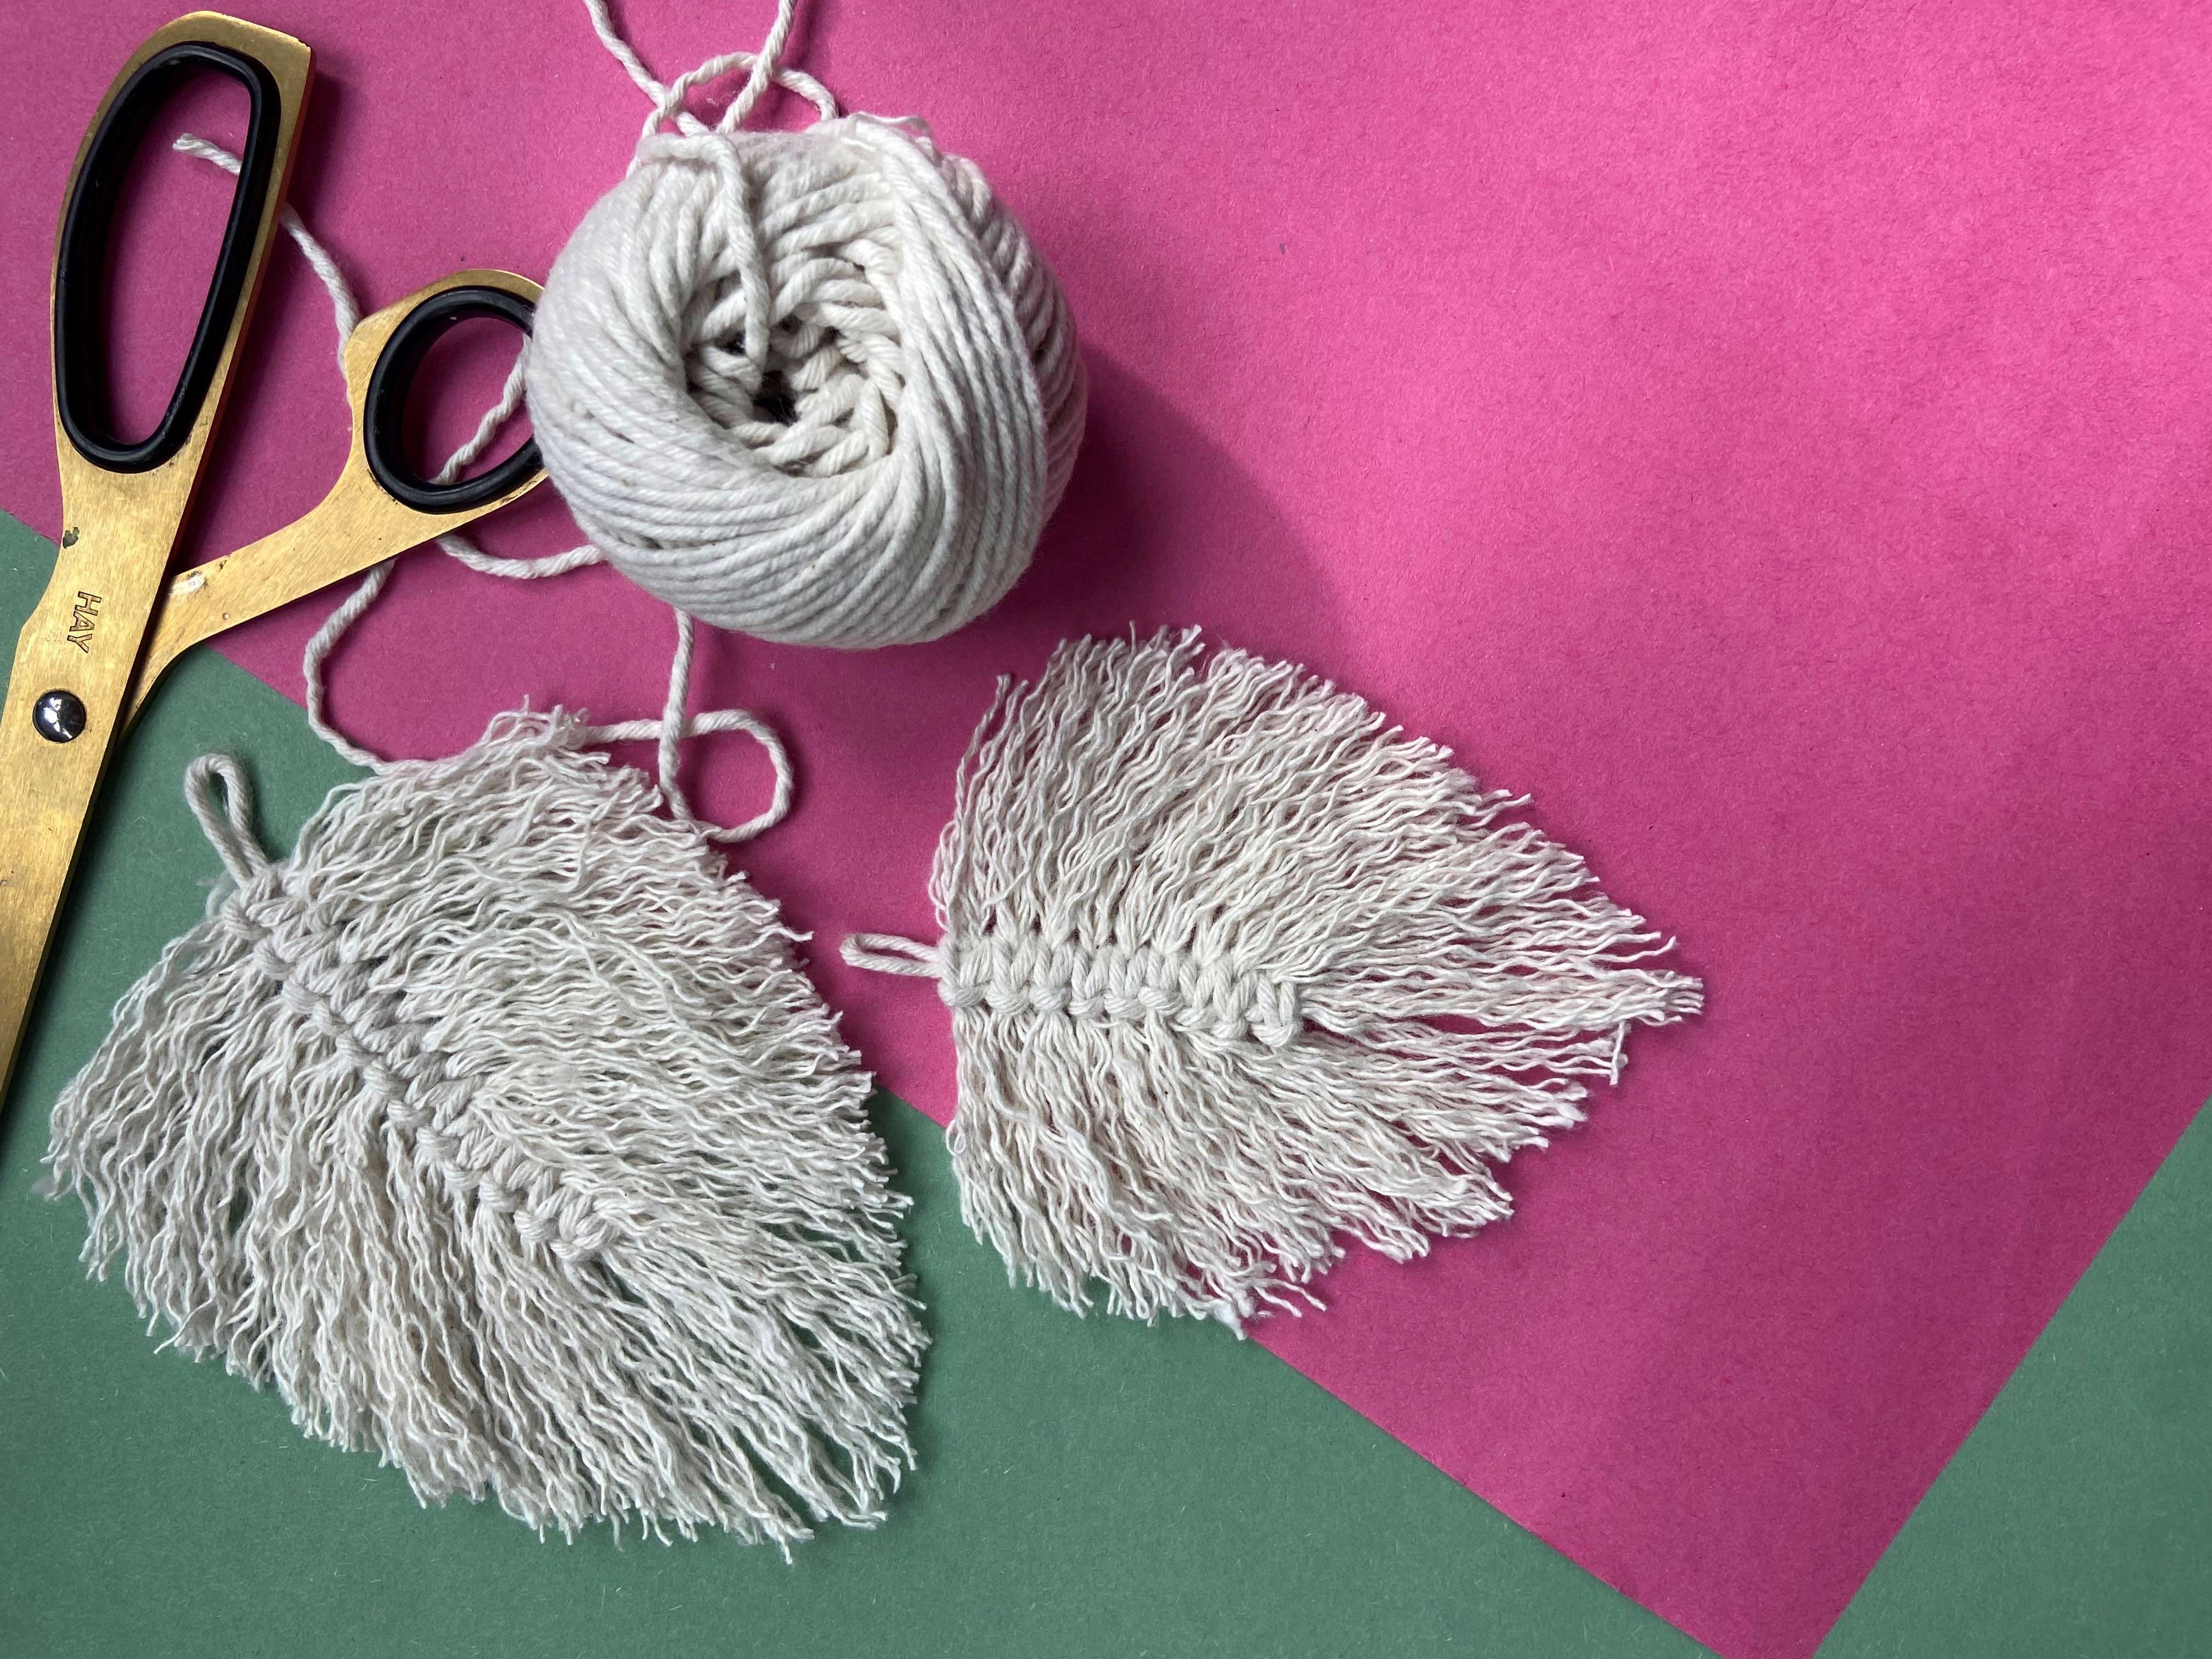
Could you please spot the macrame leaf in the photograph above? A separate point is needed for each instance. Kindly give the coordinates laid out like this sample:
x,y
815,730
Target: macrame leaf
x,y
1238,970
498,1129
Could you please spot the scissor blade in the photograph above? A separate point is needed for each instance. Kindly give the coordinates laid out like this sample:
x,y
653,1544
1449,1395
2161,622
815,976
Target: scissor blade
x,y
71,664
32,882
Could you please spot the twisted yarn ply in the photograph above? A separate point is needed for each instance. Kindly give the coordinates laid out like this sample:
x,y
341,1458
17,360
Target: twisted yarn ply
x,y
817,387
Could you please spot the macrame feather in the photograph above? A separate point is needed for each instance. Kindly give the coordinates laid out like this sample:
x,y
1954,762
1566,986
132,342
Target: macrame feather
x,y
498,1129
1235,968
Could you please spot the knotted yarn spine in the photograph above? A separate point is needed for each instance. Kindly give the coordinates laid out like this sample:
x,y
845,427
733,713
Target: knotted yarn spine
x,y
1026,975
1238,970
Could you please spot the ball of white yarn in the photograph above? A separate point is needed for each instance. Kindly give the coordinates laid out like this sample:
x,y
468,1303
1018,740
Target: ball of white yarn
x,y
816,388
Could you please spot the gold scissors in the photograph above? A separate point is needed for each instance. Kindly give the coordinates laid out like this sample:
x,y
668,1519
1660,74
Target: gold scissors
x,y
111,619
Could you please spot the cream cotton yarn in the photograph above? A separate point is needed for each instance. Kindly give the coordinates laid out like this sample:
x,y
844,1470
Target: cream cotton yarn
x,y
817,387
1238,971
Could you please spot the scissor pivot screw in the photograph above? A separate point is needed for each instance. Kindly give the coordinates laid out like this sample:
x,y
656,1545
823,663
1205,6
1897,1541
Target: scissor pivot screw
x,y
59,716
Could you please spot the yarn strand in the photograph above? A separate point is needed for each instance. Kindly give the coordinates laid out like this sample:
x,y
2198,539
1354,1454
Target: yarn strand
x,y
668,101
674,725
319,257
320,646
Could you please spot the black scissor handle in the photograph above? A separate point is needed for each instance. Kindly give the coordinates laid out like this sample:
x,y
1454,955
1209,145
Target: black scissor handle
x,y
81,265
384,411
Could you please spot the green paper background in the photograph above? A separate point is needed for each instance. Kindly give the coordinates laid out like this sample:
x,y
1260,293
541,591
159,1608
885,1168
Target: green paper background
x,y
1086,1488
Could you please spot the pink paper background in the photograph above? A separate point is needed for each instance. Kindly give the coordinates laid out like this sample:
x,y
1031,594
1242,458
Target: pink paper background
x,y
1776,437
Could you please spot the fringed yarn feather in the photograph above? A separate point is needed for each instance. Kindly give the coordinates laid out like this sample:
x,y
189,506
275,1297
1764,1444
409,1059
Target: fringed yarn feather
x,y
1235,968
497,1128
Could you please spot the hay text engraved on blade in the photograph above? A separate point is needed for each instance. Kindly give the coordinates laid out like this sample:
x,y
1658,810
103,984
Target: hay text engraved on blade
x,y
83,617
